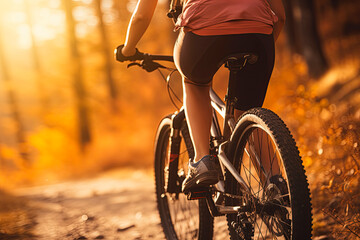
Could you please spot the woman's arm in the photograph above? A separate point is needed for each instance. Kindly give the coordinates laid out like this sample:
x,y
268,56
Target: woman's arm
x,y
139,22
278,8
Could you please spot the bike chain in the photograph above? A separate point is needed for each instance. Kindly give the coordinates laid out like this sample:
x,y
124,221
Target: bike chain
x,y
232,196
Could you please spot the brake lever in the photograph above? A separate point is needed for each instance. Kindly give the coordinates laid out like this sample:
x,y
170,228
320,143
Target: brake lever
x,y
151,66
134,64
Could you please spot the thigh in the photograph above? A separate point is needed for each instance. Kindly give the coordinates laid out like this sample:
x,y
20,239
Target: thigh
x,y
253,80
194,57
199,57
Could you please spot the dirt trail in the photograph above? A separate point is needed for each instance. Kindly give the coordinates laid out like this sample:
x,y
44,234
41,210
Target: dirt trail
x,y
116,205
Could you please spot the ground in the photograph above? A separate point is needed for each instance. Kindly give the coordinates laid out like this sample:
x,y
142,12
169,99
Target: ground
x,y
118,205
115,205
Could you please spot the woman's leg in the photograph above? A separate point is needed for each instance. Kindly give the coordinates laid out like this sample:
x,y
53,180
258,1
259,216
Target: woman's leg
x,y
198,115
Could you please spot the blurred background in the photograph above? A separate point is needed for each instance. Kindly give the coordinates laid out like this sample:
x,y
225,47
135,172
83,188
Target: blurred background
x,y
68,110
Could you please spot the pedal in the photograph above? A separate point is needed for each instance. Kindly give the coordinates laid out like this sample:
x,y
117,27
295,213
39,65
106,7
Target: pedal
x,y
198,194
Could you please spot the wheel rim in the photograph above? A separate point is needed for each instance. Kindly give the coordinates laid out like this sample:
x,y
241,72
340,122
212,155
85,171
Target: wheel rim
x,y
184,214
257,160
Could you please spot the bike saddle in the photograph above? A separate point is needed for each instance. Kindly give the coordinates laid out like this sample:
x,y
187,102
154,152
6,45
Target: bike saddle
x,y
239,60
249,57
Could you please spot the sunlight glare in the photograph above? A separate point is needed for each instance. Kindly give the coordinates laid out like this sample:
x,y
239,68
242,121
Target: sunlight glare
x,y
24,39
92,21
87,1
85,18
81,13
14,17
109,15
44,33
81,29
84,1
106,4
54,4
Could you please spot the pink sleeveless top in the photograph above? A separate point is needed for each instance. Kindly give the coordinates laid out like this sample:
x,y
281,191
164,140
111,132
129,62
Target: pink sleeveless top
x,y
219,17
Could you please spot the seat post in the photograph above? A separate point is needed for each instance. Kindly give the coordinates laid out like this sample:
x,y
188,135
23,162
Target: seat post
x,y
234,65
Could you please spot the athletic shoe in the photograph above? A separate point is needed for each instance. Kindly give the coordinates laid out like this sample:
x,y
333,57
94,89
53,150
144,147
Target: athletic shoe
x,y
201,174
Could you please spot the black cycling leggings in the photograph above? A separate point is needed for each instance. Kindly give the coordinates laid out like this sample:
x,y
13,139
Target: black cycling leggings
x,y
199,57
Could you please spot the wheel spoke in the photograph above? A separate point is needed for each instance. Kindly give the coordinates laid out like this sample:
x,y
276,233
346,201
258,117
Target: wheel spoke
x,y
251,175
259,227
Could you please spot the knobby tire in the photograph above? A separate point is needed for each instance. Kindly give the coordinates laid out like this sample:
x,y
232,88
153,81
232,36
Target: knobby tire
x,y
299,194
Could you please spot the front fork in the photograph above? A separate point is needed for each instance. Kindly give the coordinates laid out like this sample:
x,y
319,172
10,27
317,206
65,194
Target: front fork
x,y
173,185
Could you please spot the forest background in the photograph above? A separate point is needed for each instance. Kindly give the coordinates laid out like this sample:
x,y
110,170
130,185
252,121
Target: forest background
x,y
68,110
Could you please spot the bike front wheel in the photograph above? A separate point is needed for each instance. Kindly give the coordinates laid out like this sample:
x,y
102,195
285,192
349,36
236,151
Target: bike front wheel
x,y
277,203
180,218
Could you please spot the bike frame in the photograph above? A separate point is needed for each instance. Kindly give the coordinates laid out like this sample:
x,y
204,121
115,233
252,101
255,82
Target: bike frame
x,y
227,113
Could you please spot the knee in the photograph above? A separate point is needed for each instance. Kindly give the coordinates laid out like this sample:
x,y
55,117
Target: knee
x,y
201,92
190,83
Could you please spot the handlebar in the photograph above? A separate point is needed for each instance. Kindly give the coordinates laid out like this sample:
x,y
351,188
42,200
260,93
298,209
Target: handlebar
x,y
146,60
160,57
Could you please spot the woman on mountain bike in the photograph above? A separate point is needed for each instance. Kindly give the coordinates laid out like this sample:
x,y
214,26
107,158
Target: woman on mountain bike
x,y
210,31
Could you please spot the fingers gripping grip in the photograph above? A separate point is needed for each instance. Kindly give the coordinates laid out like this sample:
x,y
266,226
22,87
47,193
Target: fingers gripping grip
x,y
121,58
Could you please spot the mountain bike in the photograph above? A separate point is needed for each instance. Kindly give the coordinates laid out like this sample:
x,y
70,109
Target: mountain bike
x,y
262,188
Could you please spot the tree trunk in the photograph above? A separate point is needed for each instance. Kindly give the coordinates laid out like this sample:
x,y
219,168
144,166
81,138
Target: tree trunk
x,y
78,83
291,34
36,62
108,57
15,114
335,4
2,161
304,15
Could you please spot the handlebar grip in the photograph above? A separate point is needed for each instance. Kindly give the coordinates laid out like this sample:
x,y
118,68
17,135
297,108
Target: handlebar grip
x,y
140,56
121,58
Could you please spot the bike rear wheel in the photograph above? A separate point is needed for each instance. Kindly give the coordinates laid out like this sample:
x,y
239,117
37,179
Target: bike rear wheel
x,y
265,154
180,218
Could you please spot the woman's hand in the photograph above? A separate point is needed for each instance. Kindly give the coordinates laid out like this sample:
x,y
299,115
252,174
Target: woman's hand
x,y
127,51
127,55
